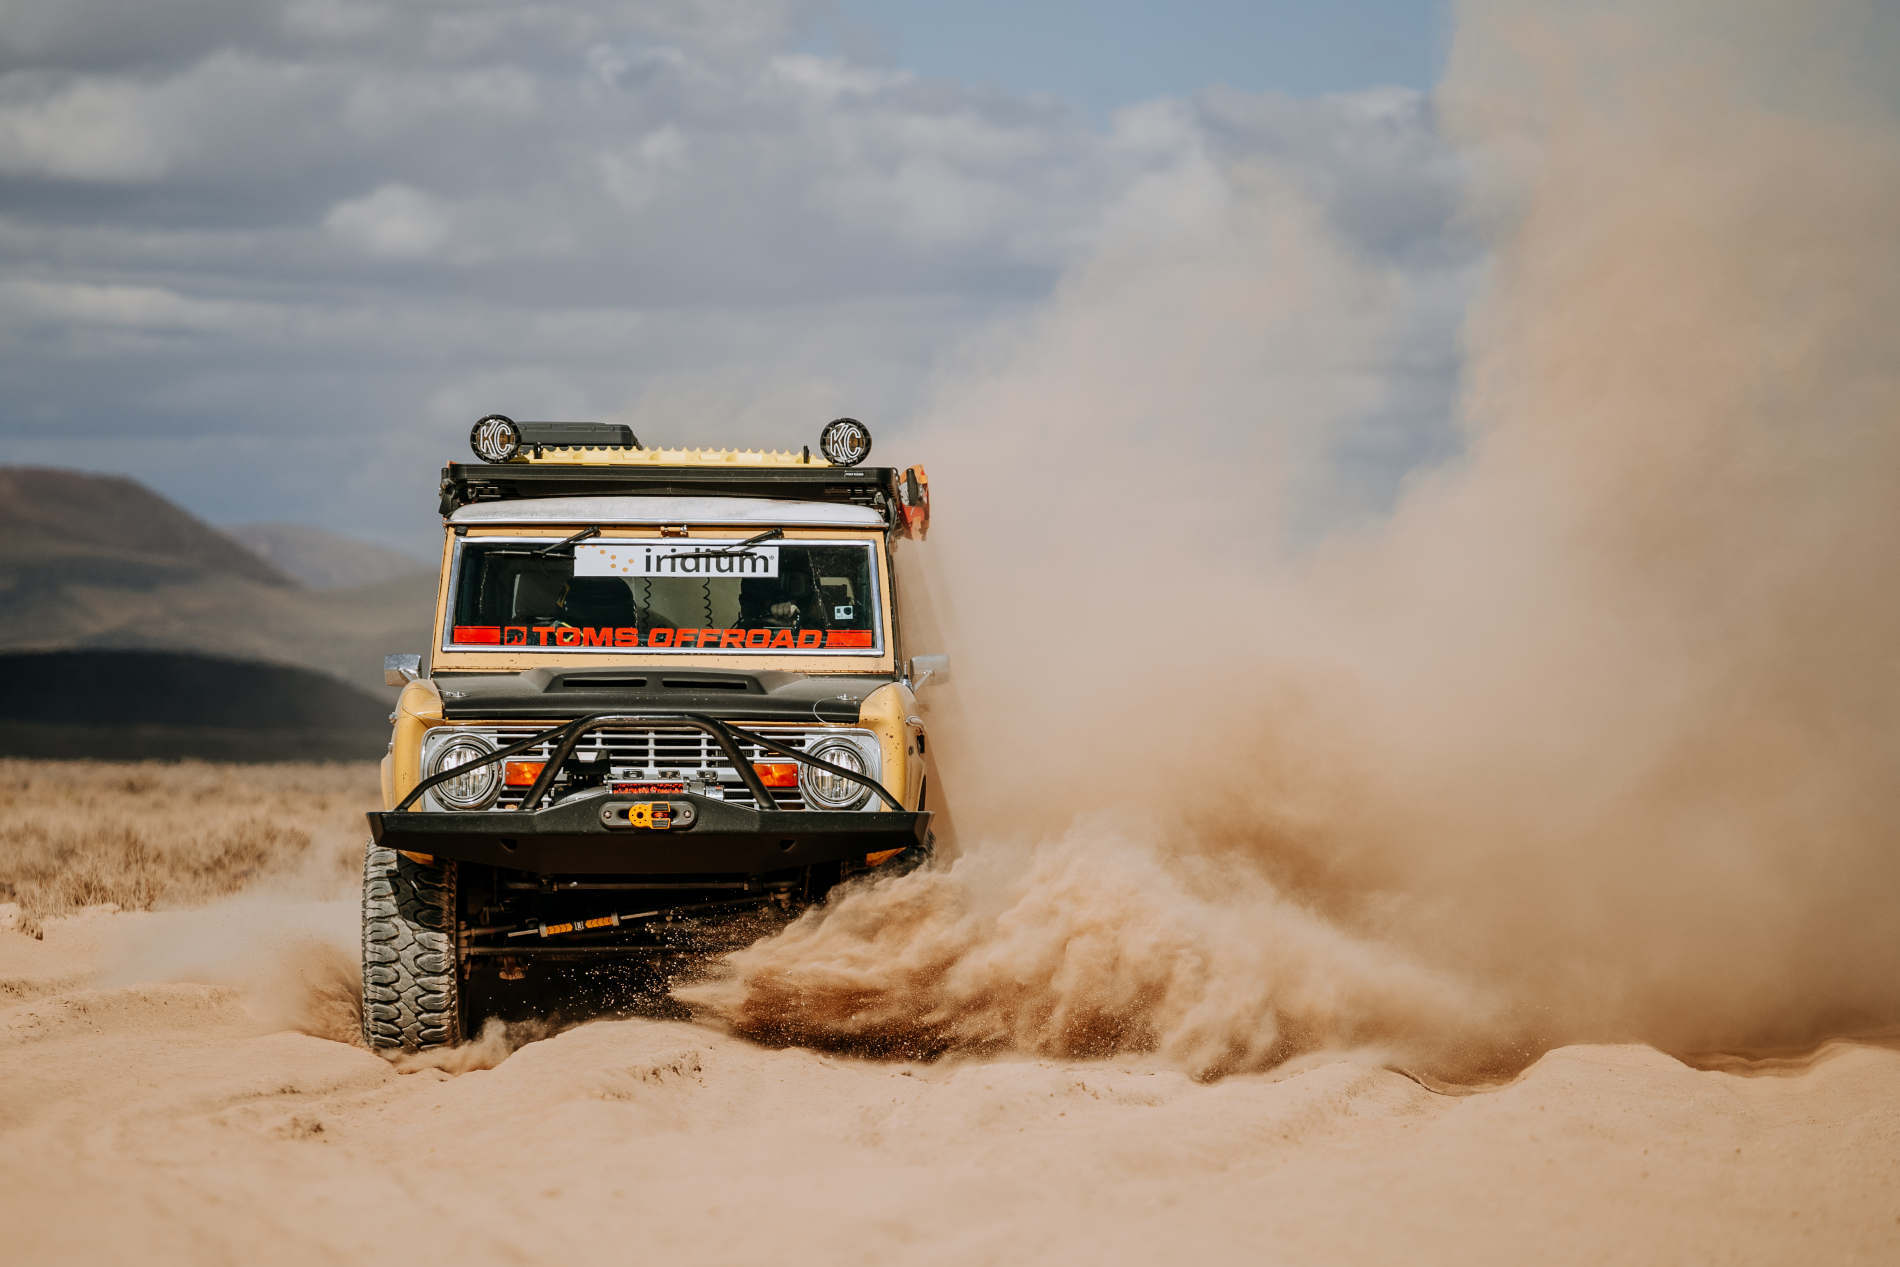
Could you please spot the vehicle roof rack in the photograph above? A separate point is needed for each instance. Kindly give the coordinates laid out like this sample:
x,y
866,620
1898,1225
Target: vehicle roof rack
x,y
522,460
465,482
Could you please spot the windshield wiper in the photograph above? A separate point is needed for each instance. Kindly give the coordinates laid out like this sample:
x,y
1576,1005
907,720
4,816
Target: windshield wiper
x,y
737,547
770,534
582,535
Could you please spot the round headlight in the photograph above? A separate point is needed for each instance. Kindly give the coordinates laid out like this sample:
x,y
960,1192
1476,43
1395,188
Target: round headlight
x,y
473,790
845,442
495,438
825,790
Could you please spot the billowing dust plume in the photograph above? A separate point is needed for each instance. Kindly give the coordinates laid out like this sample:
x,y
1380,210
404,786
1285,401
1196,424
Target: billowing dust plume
x,y
290,960
1595,736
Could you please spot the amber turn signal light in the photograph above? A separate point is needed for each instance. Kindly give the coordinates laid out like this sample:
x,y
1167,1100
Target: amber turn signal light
x,y
777,773
521,773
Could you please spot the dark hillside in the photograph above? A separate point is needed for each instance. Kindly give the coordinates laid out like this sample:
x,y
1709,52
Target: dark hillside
x,y
122,705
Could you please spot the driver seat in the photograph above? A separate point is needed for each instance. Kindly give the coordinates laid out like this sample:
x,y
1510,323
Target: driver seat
x,y
599,601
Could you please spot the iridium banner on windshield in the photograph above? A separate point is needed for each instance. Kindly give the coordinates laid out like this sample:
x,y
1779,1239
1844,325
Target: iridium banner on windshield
x,y
646,559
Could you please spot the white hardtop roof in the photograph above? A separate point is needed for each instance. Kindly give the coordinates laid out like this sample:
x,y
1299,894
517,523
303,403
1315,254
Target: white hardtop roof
x,y
762,511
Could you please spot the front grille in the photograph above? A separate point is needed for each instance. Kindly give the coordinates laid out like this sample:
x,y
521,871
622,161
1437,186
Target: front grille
x,y
663,754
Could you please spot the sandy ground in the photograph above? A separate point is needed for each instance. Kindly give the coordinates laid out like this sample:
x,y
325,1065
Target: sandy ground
x,y
179,1121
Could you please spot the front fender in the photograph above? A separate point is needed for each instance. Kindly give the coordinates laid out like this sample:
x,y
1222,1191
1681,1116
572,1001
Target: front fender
x,y
418,709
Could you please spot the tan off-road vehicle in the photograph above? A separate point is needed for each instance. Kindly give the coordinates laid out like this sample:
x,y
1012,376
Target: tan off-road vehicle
x,y
664,687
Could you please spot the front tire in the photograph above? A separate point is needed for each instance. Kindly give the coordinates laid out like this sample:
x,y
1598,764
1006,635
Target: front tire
x,y
411,986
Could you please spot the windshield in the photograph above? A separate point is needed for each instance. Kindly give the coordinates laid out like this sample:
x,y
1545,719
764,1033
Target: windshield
x,y
787,597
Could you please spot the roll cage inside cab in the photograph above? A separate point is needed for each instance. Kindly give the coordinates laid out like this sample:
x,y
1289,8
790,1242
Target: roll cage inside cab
x,y
665,687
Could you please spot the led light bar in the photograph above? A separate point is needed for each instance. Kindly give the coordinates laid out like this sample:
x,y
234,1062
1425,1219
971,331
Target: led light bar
x,y
498,438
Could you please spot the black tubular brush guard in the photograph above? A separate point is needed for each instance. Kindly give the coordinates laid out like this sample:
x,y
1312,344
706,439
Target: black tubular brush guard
x,y
592,832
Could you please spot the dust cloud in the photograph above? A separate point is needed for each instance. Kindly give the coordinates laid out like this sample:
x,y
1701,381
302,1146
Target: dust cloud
x,y
1593,737
289,960
497,1041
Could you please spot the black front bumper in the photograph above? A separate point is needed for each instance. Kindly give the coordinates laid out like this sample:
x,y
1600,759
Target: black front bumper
x,y
722,841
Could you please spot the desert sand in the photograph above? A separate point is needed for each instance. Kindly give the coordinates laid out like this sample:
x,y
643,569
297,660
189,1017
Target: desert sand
x,y
159,1102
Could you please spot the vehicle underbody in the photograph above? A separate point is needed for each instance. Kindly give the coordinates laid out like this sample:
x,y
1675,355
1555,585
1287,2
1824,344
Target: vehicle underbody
x,y
600,895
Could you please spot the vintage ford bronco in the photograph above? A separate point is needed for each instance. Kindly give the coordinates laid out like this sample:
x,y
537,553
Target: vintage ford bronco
x,y
665,687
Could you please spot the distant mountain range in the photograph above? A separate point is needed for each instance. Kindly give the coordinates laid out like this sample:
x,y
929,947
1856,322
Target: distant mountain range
x,y
69,515
101,563
324,560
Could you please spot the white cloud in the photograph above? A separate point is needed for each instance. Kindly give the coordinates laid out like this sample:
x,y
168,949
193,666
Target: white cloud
x,y
77,306
395,221
393,106
635,175
828,79
88,129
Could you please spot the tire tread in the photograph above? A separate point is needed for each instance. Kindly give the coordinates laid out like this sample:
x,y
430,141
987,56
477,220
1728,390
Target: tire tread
x,y
411,993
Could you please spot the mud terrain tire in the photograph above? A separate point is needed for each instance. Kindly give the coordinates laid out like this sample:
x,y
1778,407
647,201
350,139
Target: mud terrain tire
x,y
411,990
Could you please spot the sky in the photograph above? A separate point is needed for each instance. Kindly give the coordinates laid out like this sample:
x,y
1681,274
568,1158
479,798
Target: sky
x,y
273,257
1101,55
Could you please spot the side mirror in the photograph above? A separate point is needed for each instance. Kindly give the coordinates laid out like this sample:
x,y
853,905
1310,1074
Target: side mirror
x,y
925,667
400,670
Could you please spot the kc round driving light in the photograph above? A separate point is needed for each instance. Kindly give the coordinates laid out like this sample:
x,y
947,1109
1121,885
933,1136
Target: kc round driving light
x,y
845,442
495,438
473,790
825,790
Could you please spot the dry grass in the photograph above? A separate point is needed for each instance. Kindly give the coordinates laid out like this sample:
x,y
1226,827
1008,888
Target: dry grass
x,y
145,834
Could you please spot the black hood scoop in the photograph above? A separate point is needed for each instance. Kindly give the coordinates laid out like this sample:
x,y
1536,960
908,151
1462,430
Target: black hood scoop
x,y
595,680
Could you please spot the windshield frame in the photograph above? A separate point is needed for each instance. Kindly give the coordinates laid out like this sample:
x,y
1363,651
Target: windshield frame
x,y
450,655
